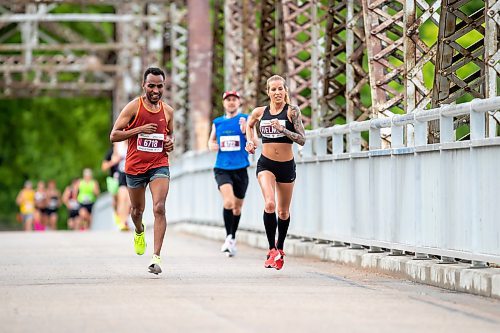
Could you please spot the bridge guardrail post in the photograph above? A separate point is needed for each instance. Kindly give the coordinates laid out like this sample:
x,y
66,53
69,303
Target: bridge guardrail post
x,y
354,139
420,133
446,129
338,143
421,130
320,144
477,123
397,131
374,136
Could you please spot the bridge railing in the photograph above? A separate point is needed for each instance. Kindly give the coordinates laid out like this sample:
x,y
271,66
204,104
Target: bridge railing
x,y
438,199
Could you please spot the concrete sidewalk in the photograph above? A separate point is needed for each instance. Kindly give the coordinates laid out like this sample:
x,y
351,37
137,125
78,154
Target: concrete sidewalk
x,y
93,282
456,277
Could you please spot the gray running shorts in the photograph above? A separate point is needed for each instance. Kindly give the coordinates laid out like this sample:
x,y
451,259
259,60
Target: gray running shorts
x,y
143,179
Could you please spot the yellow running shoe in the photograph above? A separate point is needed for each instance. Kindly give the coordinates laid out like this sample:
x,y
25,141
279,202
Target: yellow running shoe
x,y
116,219
154,267
140,242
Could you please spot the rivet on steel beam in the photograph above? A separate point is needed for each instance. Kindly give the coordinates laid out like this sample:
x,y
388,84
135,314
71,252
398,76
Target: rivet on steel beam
x,y
373,32
491,13
379,83
410,75
377,57
431,10
491,62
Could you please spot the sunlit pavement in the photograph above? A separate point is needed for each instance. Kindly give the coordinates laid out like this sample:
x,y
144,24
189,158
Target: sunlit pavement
x,y
93,282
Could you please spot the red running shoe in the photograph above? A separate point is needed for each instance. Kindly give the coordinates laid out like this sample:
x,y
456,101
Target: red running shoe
x,y
279,260
271,255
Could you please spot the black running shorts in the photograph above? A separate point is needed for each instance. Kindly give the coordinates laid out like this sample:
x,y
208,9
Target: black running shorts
x,y
283,171
237,178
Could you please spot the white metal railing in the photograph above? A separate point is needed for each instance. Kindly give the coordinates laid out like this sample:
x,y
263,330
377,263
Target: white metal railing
x,y
476,108
436,199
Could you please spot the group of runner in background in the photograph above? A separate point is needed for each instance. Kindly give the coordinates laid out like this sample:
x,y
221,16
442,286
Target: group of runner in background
x,y
114,163
39,207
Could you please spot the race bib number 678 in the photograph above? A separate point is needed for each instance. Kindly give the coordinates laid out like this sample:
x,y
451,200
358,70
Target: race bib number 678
x,y
151,143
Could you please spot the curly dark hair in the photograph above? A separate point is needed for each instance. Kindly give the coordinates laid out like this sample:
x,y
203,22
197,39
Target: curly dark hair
x,y
154,71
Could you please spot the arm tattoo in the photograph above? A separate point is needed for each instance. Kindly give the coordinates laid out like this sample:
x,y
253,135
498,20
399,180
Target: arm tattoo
x,y
300,136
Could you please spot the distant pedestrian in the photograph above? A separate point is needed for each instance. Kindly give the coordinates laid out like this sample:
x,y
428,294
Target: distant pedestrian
x,y
26,202
40,218
117,183
70,200
53,204
88,190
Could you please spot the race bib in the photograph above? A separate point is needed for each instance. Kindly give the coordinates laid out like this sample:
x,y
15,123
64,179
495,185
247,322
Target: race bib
x,y
53,203
151,143
268,131
73,205
86,199
230,143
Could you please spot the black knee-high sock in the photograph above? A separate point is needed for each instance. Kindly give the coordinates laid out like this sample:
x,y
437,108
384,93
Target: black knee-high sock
x,y
228,220
282,230
236,223
270,225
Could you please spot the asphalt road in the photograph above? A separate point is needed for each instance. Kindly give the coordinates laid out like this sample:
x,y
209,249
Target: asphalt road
x,y
93,282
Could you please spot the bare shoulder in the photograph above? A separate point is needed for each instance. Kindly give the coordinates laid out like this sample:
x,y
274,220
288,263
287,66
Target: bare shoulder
x,y
169,112
167,107
132,106
258,112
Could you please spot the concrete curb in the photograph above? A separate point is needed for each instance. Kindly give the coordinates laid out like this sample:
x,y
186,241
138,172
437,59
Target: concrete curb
x,y
456,277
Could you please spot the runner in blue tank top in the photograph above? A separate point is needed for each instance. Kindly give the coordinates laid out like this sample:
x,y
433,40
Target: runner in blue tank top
x,y
228,139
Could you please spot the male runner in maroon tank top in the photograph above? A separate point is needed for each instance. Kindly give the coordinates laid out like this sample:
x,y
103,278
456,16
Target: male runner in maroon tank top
x,y
147,123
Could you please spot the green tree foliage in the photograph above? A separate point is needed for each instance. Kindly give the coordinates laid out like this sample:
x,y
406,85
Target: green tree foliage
x,y
47,138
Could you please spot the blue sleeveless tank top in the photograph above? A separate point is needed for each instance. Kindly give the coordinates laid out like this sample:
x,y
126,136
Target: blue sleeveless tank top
x,y
232,154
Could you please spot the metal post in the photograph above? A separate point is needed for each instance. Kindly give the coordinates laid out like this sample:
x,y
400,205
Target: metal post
x,y
447,260
492,56
394,253
479,264
199,59
421,256
477,124
375,249
338,143
446,129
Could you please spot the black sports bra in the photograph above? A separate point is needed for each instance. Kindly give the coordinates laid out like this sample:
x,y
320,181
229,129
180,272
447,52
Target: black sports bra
x,y
269,133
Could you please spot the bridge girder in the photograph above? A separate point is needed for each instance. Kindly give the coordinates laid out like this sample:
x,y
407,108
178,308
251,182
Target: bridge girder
x,y
333,53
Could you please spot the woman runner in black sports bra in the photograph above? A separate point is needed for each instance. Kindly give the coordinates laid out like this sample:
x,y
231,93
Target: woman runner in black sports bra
x,y
280,126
